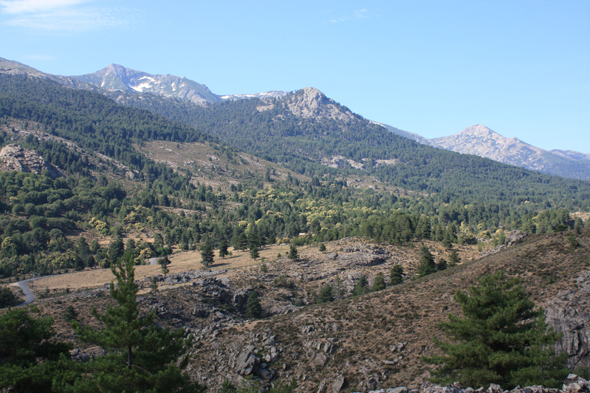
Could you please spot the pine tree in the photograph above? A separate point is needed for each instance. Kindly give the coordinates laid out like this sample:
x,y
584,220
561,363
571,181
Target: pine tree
x,y
254,253
253,307
139,356
361,287
207,254
293,252
30,356
223,252
454,258
164,262
325,295
427,265
322,247
441,265
154,286
501,339
379,283
396,276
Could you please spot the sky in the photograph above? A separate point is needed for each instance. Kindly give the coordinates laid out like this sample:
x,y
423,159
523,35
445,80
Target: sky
x,y
431,67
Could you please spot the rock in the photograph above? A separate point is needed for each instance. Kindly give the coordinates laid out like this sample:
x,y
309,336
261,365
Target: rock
x,y
320,359
246,362
17,158
265,374
569,314
495,389
337,385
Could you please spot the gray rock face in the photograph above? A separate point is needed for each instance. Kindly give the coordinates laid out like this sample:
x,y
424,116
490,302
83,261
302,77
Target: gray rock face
x,y
310,102
569,313
362,255
17,158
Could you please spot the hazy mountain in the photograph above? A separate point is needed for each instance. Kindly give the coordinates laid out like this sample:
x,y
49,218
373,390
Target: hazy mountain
x,y
481,141
406,134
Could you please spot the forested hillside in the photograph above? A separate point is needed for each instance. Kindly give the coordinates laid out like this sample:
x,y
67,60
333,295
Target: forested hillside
x,y
88,219
270,130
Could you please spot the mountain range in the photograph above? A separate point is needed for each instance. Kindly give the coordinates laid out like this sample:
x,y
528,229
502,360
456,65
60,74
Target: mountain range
x,y
136,88
481,141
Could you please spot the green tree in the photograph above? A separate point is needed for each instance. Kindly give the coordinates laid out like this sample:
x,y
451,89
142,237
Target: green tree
x,y
501,339
71,314
253,307
223,249
361,287
139,355
427,265
254,253
207,254
154,286
7,298
396,275
293,252
379,283
164,262
30,357
442,264
325,295
322,247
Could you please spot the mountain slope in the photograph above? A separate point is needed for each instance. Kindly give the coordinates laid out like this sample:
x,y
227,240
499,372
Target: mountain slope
x,y
481,141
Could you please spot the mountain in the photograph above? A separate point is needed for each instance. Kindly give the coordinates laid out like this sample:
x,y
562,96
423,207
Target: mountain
x,y
482,141
116,77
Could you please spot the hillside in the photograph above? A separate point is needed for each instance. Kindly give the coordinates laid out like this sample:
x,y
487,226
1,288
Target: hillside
x,y
370,341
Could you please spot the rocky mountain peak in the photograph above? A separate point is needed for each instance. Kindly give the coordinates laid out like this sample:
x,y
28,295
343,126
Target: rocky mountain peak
x,y
310,102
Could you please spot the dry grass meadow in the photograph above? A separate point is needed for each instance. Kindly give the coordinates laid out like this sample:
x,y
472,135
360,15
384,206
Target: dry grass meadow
x,y
180,262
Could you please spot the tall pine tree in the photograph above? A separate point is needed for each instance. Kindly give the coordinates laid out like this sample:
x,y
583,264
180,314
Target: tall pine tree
x,y
139,355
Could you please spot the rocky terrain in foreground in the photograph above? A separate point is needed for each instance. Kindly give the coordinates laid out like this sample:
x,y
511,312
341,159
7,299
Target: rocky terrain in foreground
x,y
365,343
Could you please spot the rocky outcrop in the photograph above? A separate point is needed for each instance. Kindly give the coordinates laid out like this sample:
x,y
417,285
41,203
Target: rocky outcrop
x,y
569,314
17,158
310,102
362,255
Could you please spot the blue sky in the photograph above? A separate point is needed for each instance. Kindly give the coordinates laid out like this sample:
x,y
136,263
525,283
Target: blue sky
x,y
521,68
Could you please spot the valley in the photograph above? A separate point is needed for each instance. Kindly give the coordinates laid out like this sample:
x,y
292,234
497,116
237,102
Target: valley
x,y
301,240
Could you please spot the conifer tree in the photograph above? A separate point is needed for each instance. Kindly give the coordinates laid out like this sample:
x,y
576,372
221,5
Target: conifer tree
x,y
396,276
427,265
254,253
223,252
325,295
293,252
30,356
501,339
322,247
253,307
361,287
207,254
379,283
139,356
164,262
453,258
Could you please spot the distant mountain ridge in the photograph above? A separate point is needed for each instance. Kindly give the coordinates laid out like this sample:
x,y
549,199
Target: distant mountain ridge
x,y
484,142
481,141
166,93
